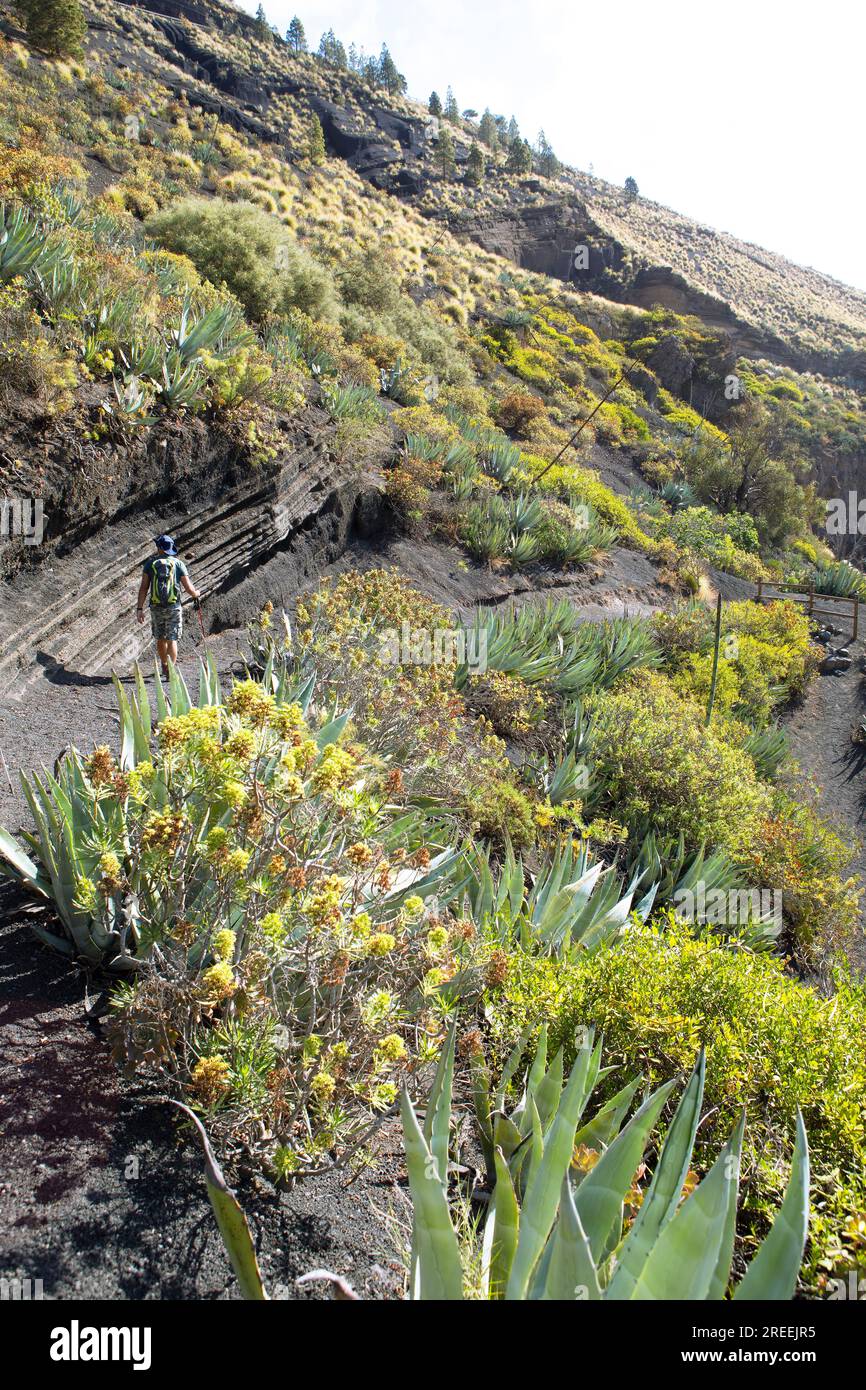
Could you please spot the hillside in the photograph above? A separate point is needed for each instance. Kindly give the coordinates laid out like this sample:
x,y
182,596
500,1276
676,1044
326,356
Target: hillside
x,y
495,733
641,252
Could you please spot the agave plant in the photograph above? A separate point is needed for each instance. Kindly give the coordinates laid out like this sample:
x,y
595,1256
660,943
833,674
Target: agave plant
x,y
24,246
678,494
769,750
352,402
524,512
131,403
181,385
522,548
550,644
564,779
399,382
500,460
554,1230
572,904
74,827
220,330
839,578
554,1226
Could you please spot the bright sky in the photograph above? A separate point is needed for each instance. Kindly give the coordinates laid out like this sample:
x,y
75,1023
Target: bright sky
x,y
746,115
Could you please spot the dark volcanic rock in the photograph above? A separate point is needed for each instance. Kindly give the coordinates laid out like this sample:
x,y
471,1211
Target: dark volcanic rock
x,y
672,363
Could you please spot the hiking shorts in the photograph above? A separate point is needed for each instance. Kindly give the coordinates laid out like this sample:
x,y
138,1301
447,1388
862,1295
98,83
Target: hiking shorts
x,y
166,621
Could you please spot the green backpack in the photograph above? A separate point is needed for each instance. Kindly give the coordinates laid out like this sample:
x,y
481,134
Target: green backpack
x,y
163,582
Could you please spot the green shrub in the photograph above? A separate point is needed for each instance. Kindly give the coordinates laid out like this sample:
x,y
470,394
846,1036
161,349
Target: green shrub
x,y
772,1043
250,251
658,764
501,813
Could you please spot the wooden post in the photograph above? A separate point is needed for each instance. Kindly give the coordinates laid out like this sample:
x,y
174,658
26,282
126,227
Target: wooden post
x,y
856,618
811,598
712,698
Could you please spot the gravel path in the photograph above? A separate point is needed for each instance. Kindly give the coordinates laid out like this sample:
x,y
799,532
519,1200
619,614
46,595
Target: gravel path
x,y
820,732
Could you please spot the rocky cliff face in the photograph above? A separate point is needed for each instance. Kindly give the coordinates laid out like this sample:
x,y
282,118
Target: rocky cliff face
x,y
228,519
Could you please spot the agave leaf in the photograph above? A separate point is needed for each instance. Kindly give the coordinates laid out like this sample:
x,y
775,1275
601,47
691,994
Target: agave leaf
x,y
177,690
606,1124
505,1222
143,700
506,1135
161,702
20,865
331,731
722,1271
437,1121
542,1193
570,1272
230,1218
682,1262
539,1062
127,738
663,1194
511,1065
533,1149
600,1196
57,943
436,1253
481,1089
773,1272
549,1089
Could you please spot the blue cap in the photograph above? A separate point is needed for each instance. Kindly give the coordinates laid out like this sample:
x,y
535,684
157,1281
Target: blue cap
x,y
166,544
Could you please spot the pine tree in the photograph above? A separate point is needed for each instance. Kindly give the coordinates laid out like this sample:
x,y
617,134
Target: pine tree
x,y
57,27
487,130
631,189
393,81
263,29
332,51
445,153
519,158
295,36
548,164
513,132
316,148
475,165
452,110
434,105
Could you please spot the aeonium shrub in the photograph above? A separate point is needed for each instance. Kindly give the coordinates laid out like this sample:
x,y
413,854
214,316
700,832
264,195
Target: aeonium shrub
x,y
377,643
290,977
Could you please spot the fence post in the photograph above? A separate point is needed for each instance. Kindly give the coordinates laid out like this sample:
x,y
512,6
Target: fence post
x,y
712,698
856,618
811,599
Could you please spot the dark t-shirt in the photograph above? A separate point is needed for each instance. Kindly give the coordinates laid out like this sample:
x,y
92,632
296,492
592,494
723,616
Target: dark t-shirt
x,y
180,570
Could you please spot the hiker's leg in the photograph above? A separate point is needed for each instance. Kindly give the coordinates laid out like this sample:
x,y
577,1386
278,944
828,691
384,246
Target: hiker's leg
x,y
162,652
172,651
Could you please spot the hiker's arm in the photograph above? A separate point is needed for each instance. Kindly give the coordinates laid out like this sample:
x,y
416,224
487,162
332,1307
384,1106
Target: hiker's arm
x,y
142,595
190,588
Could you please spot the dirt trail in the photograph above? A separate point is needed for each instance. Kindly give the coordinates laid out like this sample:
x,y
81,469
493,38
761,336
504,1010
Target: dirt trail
x,y
820,732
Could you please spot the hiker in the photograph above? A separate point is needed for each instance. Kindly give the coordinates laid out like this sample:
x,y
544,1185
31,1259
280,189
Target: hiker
x,y
163,576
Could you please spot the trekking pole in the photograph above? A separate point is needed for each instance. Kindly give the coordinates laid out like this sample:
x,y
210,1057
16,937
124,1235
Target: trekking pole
x,y
201,621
